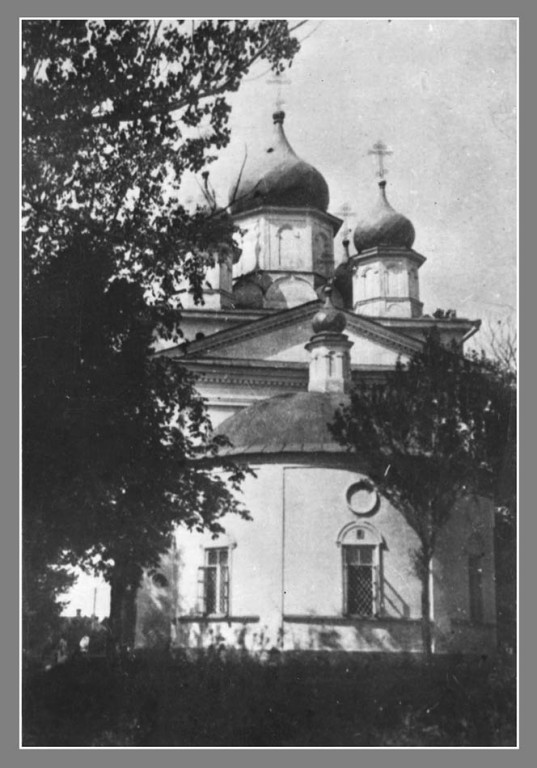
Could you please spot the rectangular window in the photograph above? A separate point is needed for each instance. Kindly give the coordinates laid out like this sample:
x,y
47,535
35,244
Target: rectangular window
x,y
475,581
213,582
360,577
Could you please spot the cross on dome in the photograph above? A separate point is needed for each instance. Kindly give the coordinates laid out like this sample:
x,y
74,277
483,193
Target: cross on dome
x,y
380,150
278,81
345,212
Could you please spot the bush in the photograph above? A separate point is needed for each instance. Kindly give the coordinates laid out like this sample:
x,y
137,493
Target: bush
x,y
221,699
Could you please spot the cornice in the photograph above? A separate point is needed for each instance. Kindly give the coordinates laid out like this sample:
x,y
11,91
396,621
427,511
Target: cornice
x,y
273,210
386,252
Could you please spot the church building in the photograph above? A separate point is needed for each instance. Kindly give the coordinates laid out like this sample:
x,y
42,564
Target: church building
x,y
325,563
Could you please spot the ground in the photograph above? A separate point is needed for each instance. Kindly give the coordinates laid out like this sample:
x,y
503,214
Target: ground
x,y
217,700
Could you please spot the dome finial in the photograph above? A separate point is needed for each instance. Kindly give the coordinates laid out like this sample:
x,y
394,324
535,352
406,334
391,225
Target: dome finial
x,y
278,115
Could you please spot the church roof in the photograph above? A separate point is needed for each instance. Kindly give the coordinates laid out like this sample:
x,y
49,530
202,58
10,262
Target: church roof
x,y
279,178
383,226
288,423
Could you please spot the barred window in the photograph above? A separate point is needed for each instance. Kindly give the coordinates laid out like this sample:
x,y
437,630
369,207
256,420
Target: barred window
x,y
361,580
213,582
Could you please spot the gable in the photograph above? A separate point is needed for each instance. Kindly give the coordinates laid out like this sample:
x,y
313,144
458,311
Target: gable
x,y
282,338
364,351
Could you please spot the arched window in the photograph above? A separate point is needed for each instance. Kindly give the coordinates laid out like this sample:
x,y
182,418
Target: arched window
x,y
286,246
361,546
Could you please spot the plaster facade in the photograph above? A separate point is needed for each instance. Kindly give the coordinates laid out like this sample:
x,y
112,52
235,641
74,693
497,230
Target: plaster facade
x,y
286,571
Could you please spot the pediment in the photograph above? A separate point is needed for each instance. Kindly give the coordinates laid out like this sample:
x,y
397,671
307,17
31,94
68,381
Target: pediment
x,y
282,337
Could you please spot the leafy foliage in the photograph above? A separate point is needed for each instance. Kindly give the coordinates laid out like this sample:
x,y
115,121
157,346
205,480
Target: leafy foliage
x,y
43,589
437,430
113,114
357,700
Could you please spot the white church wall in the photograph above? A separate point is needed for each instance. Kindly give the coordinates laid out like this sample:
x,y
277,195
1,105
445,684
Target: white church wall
x,y
280,241
316,511
286,572
250,578
286,569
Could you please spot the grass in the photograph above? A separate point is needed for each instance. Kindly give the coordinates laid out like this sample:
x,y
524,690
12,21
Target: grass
x,y
296,701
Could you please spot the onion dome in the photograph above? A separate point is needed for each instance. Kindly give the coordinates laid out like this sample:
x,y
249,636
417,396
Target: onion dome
x,y
279,178
328,319
383,226
288,423
343,283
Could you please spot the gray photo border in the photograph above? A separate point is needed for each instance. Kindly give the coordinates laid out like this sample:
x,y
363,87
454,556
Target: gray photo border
x,y
12,755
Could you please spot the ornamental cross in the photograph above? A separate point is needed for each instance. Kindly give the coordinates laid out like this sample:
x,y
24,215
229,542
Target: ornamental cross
x,y
278,80
345,212
380,150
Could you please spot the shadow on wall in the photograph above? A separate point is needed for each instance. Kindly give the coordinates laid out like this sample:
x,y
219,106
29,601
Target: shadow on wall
x,y
248,637
157,604
394,604
369,636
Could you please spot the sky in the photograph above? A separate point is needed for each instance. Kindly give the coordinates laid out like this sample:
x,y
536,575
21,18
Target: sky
x,y
443,96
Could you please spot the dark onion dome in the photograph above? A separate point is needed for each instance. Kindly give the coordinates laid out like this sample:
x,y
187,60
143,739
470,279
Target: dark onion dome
x,y
343,283
328,319
279,178
383,226
288,423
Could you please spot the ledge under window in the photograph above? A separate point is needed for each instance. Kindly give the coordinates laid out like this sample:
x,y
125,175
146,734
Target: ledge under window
x,y
199,618
470,623
347,620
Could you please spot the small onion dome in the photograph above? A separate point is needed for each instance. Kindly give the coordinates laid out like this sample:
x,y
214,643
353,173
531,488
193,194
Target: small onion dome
x,y
343,283
328,319
383,226
279,178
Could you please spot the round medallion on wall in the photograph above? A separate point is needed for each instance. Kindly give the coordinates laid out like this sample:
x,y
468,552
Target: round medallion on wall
x,y
362,497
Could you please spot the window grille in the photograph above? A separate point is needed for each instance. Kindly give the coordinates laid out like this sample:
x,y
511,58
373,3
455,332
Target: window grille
x,y
360,574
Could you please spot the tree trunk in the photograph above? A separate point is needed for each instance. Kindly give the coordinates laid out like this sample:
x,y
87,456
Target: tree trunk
x,y
123,588
426,623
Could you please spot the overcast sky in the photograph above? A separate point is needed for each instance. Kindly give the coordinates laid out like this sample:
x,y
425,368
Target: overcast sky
x,y
442,95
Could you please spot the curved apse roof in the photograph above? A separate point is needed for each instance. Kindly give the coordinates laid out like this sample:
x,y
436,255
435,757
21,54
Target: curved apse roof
x,y
288,423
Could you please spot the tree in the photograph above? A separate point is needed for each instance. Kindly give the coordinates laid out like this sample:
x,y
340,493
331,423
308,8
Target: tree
x,y
436,431
499,342
42,608
113,115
